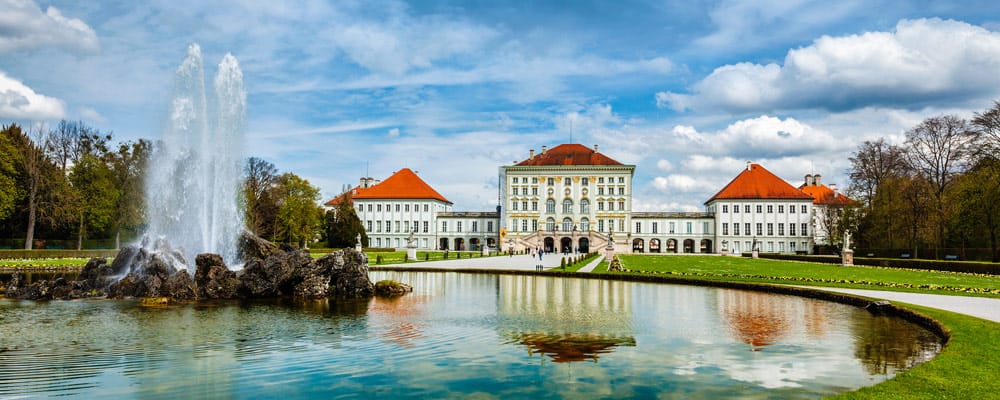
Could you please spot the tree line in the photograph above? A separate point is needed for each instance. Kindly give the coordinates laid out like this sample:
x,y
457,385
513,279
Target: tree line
x,y
936,194
71,183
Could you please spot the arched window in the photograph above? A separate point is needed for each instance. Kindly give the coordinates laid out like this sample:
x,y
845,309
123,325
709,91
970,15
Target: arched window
x,y
567,206
585,225
567,224
584,206
550,224
550,206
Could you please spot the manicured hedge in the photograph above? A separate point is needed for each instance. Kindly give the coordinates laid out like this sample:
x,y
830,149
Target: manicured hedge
x,y
987,268
30,254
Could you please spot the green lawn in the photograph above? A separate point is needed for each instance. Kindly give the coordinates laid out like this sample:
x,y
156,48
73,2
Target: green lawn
x,y
399,257
45,262
743,269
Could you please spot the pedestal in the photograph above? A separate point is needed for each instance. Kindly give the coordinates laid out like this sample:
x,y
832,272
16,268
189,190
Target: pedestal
x,y
486,251
411,253
847,258
725,252
754,253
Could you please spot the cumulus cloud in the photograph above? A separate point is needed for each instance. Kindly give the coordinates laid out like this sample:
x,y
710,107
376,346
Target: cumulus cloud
x,y
18,101
23,25
920,62
394,132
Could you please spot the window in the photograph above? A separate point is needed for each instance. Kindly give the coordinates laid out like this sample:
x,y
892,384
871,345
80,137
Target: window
x,y
804,209
388,226
567,224
407,208
426,227
584,206
687,227
513,205
534,224
551,181
524,205
458,227
600,179
369,208
791,209
534,206
534,180
600,191
791,245
600,206
704,227
781,247
585,225
611,224
725,208
378,207
638,227
567,206
550,224
770,229
475,226
621,179
534,191
444,226
524,225
746,208
654,228
621,191
489,226
805,228
760,209
550,206
515,191
621,225
736,229
585,181
369,226
725,228
611,206
746,229
406,226
760,229
513,225
736,208
425,210
781,209
791,228
397,207
378,226
770,209
671,227
621,205
361,208
378,242
770,247
600,222
781,229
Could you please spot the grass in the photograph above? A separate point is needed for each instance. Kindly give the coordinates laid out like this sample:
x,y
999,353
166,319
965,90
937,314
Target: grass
x,y
44,262
399,257
742,269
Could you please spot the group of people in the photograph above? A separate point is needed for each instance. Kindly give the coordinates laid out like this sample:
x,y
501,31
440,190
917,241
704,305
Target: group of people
x,y
538,251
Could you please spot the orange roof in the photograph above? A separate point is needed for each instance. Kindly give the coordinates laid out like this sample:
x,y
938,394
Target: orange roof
x,y
404,184
822,194
569,154
757,182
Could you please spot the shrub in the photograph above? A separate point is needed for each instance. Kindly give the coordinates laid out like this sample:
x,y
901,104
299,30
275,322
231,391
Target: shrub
x,y
378,259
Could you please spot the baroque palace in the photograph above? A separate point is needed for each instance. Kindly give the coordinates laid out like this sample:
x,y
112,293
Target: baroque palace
x,y
572,198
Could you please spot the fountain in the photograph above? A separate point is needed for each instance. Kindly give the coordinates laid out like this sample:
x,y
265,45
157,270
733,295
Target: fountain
x,y
193,185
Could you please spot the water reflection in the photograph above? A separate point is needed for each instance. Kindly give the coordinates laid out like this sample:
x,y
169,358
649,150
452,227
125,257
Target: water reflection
x,y
458,335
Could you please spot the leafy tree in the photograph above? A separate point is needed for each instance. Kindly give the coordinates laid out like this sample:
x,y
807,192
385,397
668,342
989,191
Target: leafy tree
x,y
128,166
299,216
96,195
10,193
343,225
261,178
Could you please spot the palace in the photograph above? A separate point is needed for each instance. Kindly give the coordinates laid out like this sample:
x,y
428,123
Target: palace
x,y
572,198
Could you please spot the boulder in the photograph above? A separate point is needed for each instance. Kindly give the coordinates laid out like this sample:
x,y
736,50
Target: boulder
x,y
391,288
253,247
147,277
179,286
213,279
348,271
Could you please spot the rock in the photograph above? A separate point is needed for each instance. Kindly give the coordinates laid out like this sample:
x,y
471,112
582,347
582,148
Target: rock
x,y
313,286
14,286
348,270
148,274
253,247
391,288
213,279
278,274
179,286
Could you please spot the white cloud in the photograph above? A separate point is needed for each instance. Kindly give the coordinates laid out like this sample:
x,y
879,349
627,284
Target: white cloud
x,y
92,115
664,165
920,62
23,25
681,183
18,101
394,132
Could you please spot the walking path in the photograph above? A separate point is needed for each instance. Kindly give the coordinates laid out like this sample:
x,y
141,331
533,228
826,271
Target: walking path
x,y
980,307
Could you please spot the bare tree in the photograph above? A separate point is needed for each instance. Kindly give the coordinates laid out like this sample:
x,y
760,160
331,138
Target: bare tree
x,y
872,164
940,148
261,177
987,125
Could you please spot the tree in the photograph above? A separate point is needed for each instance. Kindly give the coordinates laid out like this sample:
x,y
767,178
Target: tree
x,y
940,148
987,125
10,193
343,225
128,166
96,195
873,165
299,216
261,177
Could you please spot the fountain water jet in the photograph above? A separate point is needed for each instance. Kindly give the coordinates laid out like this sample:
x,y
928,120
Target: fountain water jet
x,y
195,175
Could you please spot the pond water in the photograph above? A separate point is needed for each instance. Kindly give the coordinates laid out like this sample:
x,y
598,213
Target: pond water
x,y
459,335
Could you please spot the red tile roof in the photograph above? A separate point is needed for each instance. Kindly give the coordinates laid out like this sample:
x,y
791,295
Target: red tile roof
x,y
404,184
569,154
822,194
759,183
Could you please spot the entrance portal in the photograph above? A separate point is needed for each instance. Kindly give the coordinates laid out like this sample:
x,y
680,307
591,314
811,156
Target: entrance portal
x,y
550,245
584,245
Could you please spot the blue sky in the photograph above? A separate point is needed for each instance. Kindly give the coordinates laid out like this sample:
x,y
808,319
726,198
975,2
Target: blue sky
x,y
688,91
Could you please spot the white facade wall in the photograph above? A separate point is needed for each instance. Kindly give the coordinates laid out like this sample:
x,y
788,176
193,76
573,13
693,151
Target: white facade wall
x,y
388,222
467,231
778,226
666,232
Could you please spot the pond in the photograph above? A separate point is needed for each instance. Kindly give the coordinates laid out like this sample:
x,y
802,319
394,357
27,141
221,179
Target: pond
x,y
459,335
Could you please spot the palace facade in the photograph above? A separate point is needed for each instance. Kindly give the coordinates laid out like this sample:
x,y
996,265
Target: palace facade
x,y
572,198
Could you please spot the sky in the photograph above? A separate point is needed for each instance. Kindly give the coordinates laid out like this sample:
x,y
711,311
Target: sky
x,y
687,91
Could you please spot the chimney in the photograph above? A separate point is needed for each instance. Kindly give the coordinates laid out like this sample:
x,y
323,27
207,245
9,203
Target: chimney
x,y
833,187
817,180
595,147
809,179
531,153
748,165
543,149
